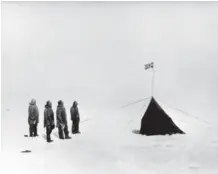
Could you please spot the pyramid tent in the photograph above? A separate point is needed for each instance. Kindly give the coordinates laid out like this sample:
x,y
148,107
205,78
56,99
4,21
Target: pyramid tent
x,y
156,121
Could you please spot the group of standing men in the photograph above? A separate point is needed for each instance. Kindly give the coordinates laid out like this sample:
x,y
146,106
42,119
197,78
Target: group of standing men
x,y
49,122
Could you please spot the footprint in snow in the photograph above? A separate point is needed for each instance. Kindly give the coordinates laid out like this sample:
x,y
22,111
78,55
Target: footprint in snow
x,y
169,145
194,166
26,151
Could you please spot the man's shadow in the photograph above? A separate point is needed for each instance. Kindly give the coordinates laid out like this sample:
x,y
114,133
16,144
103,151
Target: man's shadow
x,y
135,131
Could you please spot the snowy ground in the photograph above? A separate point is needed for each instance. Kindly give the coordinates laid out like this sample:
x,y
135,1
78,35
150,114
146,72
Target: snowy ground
x,y
108,145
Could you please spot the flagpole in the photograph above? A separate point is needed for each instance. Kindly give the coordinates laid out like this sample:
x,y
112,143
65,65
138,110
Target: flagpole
x,y
148,66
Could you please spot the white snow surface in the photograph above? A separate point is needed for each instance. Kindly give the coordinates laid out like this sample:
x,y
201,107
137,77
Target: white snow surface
x,y
95,53
107,145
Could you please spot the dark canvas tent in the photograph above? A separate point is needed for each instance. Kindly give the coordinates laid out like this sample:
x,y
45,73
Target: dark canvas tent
x,y
156,122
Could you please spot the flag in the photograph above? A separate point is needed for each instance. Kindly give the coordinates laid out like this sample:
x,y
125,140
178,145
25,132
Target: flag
x,y
150,65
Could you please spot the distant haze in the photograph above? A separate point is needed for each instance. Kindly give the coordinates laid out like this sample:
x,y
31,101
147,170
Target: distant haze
x,y
95,52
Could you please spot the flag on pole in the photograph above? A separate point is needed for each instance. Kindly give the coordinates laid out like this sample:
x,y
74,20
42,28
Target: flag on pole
x,y
149,65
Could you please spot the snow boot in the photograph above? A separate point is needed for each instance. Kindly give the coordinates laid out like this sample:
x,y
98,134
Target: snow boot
x,y
49,141
67,137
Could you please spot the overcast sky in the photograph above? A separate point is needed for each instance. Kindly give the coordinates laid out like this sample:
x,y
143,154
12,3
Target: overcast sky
x,y
95,52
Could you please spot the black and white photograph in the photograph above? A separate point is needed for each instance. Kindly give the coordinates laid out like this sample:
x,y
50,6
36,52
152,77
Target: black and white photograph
x,y
109,87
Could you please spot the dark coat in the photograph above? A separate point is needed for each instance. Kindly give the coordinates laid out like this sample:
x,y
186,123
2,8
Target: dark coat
x,y
74,112
33,112
61,116
48,116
